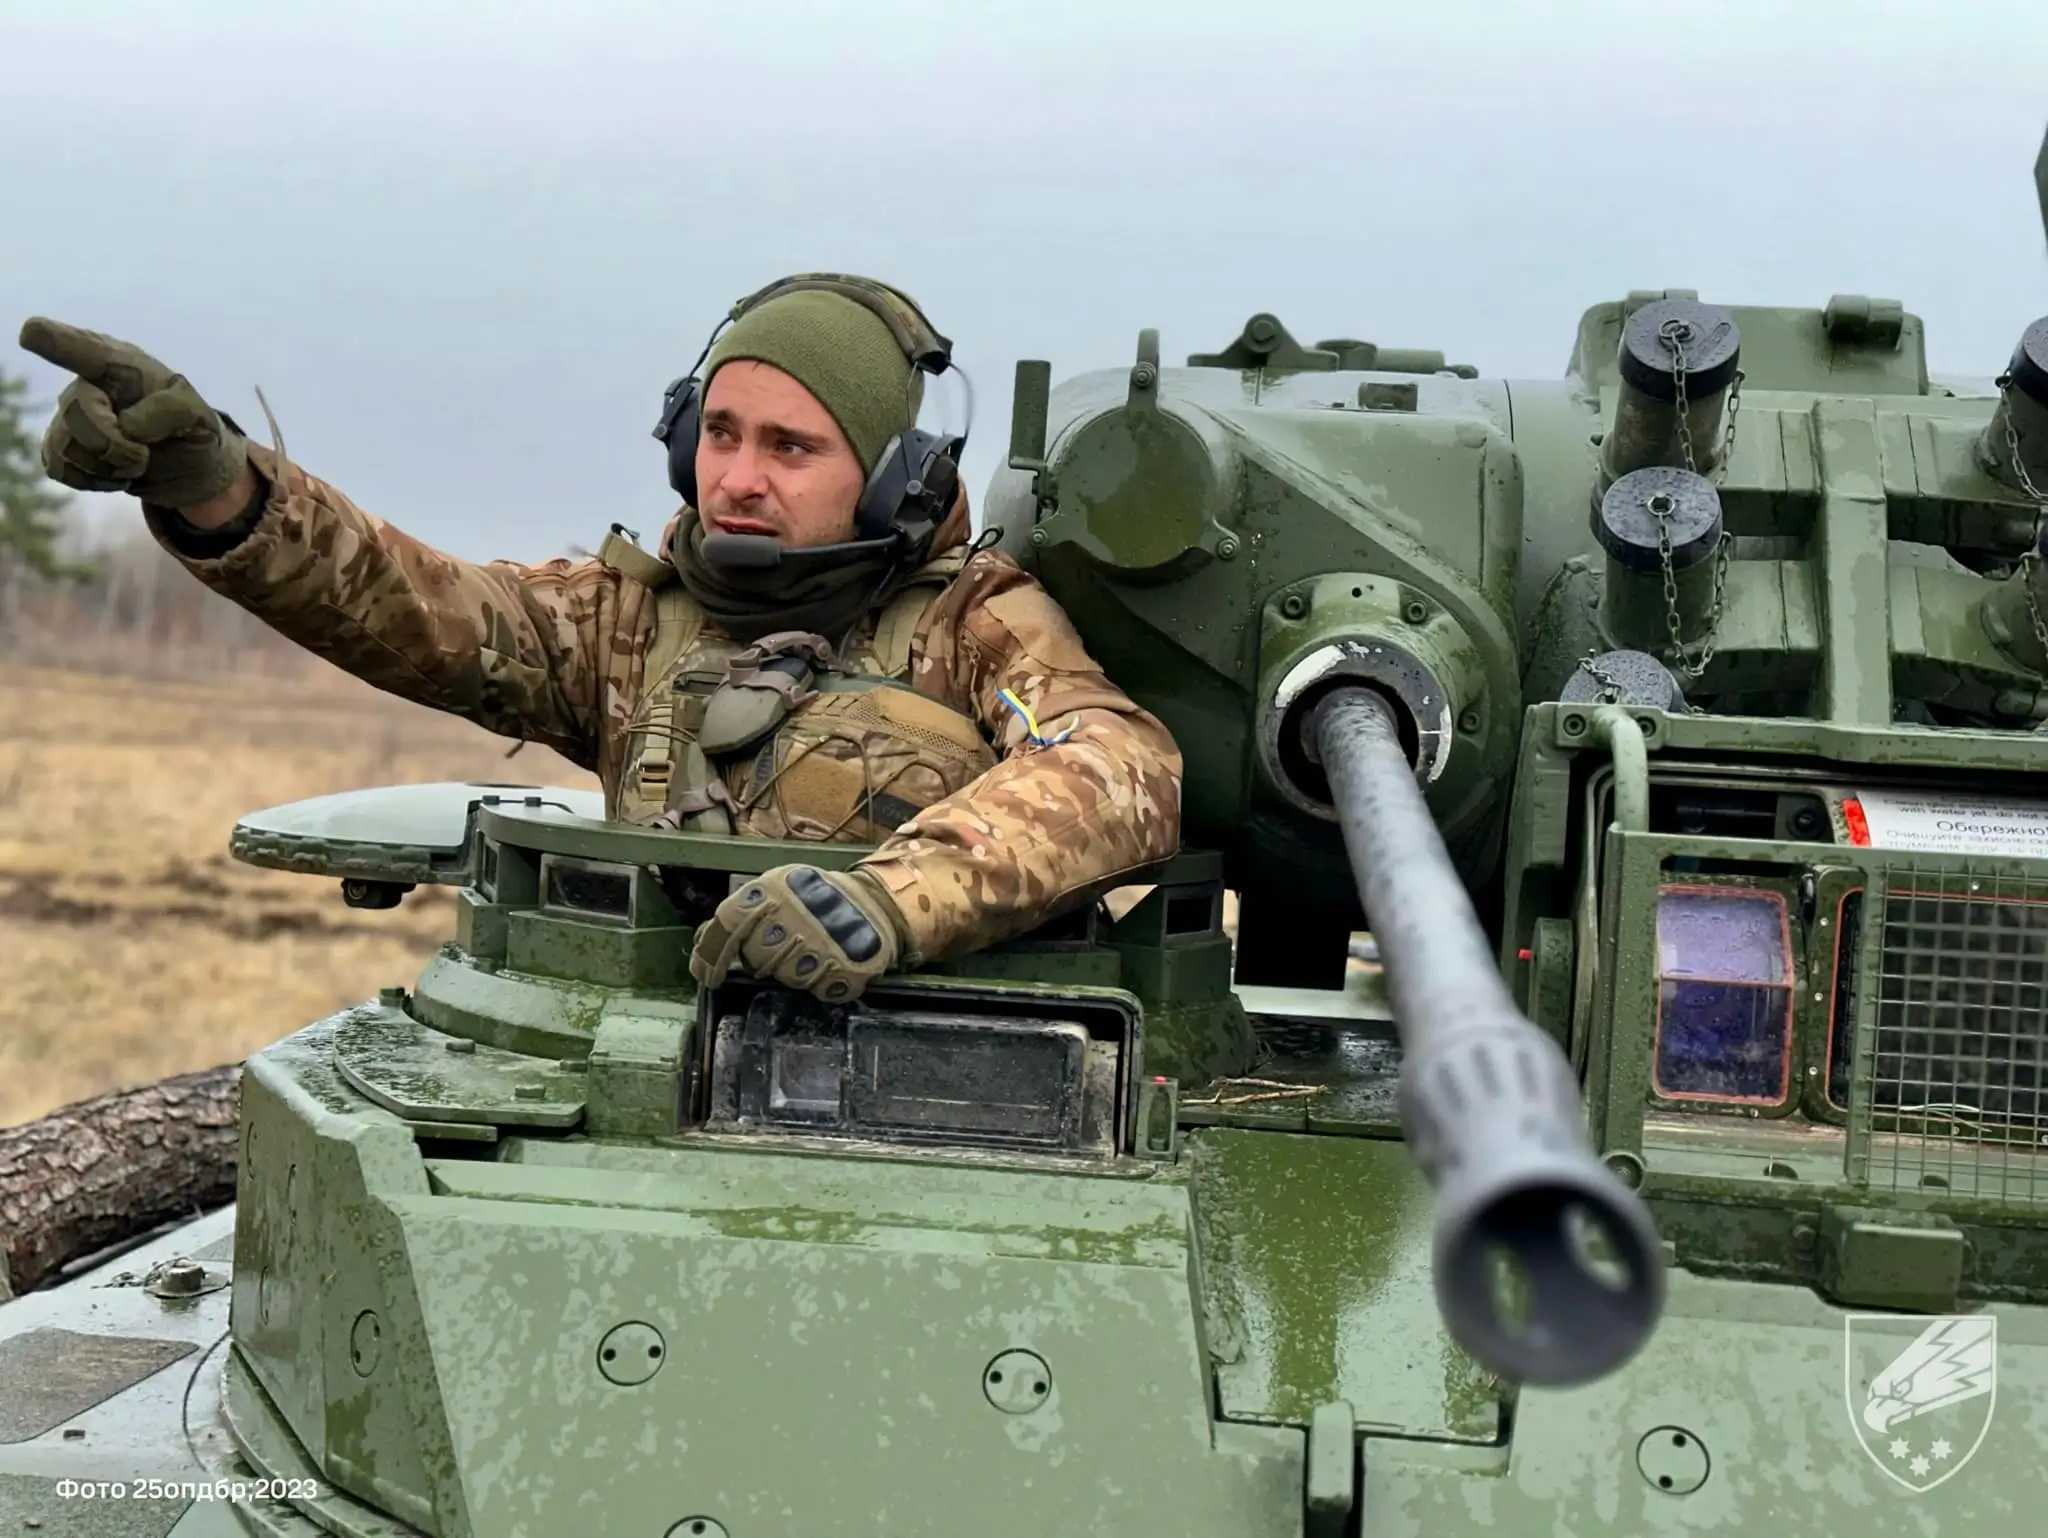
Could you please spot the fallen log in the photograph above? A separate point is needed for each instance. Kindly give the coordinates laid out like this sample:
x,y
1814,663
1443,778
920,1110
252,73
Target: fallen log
x,y
97,1172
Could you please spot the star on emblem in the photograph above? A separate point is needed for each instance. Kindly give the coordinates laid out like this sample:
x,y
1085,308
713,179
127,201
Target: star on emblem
x,y
1920,1467
1900,1448
1941,1448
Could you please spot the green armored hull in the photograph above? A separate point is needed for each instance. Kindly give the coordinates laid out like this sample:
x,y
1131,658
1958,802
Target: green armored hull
x,y
862,1320
1674,728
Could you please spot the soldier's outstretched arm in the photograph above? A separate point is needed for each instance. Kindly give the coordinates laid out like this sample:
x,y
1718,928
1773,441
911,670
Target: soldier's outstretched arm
x,y
1088,789
521,650
515,648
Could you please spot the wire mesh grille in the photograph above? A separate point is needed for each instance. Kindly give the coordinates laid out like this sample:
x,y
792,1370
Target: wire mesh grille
x,y
1948,1086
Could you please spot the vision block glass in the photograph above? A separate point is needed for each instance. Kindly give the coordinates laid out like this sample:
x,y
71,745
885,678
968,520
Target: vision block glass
x,y
1724,995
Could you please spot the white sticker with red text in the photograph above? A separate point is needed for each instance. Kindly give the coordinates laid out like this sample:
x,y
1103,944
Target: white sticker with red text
x,y
1939,824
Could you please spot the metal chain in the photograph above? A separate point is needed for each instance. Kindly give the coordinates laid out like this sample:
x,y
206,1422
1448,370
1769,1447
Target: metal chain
x,y
1728,428
1674,333
2032,558
1611,688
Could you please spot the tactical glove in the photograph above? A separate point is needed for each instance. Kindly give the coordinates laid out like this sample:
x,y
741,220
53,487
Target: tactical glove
x,y
127,423
829,933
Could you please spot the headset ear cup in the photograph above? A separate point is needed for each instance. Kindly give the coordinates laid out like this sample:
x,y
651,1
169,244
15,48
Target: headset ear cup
x,y
938,483
682,444
882,498
911,490
941,477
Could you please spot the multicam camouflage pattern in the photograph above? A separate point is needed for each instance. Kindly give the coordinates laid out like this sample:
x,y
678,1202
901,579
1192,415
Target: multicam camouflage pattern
x,y
1090,795
555,652
857,766
852,759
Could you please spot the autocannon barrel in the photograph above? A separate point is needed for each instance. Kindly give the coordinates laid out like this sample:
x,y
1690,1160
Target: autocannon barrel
x,y
1548,1269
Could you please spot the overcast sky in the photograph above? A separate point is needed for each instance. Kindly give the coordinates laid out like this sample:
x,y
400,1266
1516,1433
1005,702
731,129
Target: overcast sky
x,y
463,248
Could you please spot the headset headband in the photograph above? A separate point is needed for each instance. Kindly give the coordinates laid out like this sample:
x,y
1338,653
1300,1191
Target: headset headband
x,y
915,335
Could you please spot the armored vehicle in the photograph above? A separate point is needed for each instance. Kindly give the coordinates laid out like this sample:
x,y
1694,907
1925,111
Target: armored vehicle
x,y
1674,729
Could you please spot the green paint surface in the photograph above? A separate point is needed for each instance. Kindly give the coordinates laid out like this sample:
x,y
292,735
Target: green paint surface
x,y
812,1346
1317,1251
1755,1379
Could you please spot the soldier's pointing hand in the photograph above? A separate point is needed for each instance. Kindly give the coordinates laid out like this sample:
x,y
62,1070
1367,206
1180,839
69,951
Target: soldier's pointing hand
x,y
127,423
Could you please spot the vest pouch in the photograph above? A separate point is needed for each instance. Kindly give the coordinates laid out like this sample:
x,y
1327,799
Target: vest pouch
x,y
698,801
762,685
852,765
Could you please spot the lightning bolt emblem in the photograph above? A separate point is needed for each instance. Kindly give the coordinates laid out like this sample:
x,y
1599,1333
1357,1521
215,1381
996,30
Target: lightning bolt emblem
x,y
1951,1361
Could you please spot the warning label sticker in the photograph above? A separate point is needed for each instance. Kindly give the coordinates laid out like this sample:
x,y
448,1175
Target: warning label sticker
x,y
1940,824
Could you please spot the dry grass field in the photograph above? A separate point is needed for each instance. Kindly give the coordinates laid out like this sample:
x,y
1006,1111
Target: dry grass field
x,y
140,716
131,946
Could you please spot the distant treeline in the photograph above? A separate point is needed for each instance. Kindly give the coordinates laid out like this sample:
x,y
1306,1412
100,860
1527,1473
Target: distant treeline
x,y
128,607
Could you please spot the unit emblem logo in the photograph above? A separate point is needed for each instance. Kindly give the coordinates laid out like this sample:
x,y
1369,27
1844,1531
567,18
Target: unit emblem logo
x,y
1923,1411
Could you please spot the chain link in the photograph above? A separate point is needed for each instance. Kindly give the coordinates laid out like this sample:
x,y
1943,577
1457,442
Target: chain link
x,y
2032,558
1674,334
1728,429
1611,688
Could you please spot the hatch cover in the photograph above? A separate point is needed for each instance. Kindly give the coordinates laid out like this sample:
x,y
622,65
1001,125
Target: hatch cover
x,y
54,1375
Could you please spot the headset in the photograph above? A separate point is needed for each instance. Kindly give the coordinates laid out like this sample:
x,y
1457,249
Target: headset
x,y
912,487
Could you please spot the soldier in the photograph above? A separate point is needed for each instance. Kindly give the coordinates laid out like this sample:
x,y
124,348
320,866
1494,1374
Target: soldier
x,y
814,650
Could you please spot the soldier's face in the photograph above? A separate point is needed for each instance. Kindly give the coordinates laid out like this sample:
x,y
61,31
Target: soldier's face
x,y
770,460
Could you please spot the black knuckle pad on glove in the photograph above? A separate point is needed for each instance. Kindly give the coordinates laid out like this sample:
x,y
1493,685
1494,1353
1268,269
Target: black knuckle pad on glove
x,y
843,922
799,927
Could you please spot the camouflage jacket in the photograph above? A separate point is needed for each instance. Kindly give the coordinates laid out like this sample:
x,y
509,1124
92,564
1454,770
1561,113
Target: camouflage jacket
x,y
553,653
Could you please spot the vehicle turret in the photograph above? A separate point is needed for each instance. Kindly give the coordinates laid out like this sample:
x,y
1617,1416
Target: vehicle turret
x,y
1670,1159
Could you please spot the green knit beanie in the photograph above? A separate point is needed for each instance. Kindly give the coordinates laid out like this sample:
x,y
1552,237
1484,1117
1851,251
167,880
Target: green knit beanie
x,y
841,352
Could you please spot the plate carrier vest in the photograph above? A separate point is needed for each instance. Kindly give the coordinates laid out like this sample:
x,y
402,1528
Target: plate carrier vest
x,y
782,738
